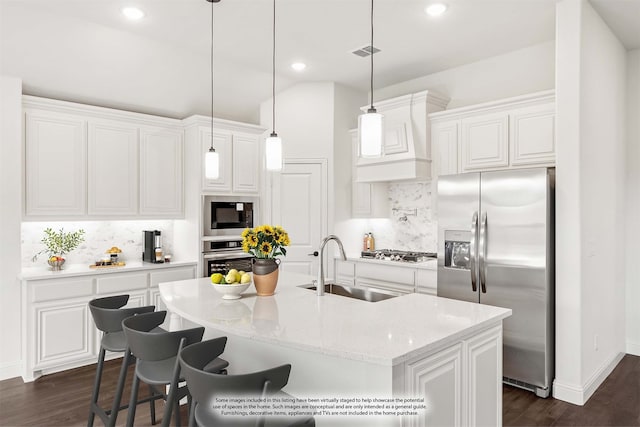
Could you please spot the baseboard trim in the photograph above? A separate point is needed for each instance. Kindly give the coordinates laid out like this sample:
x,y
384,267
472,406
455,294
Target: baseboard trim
x,y
578,395
633,348
10,370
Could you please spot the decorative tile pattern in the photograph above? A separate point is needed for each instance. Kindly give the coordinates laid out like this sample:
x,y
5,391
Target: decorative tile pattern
x,y
413,223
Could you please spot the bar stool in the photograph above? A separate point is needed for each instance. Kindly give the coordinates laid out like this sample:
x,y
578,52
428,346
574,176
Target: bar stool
x,y
108,315
206,386
157,360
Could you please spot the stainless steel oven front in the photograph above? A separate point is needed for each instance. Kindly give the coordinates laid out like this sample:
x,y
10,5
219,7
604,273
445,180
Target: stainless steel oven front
x,y
220,256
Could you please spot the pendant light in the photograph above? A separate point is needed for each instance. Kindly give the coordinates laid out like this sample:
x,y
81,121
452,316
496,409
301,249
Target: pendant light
x,y
371,124
273,144
211,158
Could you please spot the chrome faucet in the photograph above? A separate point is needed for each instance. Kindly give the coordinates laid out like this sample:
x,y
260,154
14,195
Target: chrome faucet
x,y
320,285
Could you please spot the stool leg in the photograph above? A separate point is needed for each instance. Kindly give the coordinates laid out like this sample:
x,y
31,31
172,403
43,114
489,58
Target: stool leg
x,y
132,402
119,389
152,405
96,387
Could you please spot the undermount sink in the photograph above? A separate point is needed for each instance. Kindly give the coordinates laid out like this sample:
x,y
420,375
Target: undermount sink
x,y
363,294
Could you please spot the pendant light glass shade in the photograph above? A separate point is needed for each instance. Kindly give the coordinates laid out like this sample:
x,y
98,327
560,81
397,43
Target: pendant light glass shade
x,y
212,164
273,152
371,124
371,129
273,144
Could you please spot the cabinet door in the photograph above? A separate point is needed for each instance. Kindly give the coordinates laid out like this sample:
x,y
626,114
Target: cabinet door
x,y
444,137
246,166
345,272
368,200
484,141
438,378
222,145
532,135
161,177
55,151
484,359
169,275
113,169
63,333
427,281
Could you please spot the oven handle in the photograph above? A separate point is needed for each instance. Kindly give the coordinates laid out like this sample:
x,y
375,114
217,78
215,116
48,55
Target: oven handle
x,y
225,255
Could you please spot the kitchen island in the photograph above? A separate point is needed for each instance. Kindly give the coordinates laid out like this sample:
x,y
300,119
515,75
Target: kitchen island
x,y
446,353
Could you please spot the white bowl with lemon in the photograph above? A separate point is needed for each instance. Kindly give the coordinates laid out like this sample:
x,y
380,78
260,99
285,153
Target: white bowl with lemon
x,y
232,284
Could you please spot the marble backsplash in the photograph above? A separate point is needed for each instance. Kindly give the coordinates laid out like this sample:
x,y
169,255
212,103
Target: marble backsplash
x,y
411,225
99,236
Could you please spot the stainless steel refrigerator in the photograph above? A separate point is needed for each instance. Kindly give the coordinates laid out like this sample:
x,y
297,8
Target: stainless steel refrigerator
x,y
496,247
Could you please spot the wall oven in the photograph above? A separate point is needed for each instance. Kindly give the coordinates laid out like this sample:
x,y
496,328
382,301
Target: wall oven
x,y
225,217
220,256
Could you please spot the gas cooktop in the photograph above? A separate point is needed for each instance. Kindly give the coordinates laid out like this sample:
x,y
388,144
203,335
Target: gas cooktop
x,y
395,255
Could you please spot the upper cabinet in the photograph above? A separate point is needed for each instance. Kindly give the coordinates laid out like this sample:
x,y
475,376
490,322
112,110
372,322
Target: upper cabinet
x,y
511,133
407,139
238,148
85,162
368,199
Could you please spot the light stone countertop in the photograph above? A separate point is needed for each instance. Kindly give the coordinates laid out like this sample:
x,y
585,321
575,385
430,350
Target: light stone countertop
x,y
387,332
71,270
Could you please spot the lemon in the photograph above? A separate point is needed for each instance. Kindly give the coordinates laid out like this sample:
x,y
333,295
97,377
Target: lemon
x,y
241,272
231,277
245,278
216,278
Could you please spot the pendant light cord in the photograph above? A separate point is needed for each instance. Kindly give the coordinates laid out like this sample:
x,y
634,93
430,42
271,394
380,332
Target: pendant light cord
x,y
371,54
212,76
273,73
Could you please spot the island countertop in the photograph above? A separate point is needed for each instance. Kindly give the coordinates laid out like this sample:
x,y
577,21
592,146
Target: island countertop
x,y
386,333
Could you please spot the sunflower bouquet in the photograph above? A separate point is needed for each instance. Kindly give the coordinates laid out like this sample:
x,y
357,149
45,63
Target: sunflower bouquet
x,y
265,241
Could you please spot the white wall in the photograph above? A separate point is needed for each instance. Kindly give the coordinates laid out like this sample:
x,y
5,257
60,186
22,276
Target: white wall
x,y
515,73
632,227
590,99
10,217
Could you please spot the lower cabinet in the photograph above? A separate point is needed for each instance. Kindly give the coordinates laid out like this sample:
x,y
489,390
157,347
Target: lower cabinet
x,y
58,330
461,384
397,280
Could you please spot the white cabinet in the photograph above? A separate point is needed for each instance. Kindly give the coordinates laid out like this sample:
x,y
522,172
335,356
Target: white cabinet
x,y
58,330
161,180
532,135
484,368
461,384
55,170
438,378
238,148
112,169
444,137
368,199
427,281
246,165
507,134
84,162
485,141
396,280
345,272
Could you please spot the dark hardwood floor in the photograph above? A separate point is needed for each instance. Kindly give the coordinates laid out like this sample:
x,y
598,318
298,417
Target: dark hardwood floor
x,y
62,399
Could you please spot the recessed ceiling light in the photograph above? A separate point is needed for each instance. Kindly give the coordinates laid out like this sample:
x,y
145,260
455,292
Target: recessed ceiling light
x,y
133,13
298,66
436,9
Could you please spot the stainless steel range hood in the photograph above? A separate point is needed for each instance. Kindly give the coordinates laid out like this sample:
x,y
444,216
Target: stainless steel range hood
x,y
407,142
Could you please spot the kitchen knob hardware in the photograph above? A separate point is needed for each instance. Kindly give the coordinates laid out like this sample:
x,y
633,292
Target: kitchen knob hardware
x,y
315,253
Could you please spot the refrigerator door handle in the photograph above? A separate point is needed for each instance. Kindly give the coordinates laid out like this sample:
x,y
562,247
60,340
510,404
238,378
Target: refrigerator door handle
x,y
482,253
472,251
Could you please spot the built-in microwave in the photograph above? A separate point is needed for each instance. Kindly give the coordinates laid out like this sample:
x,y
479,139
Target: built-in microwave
x,y
226,218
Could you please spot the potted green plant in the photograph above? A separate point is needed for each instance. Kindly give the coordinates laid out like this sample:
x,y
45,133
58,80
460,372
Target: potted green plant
x,y
265,243
59,243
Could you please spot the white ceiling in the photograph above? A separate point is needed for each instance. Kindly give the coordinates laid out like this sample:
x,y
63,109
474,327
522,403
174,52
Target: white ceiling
x,y
85,51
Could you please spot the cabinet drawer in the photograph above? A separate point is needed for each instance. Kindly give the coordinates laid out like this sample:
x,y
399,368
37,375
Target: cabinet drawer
x,y
49,290
386,273
121,283
427,281
172,275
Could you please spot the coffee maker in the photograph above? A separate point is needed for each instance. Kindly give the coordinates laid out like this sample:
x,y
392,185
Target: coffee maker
x,y
152,246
